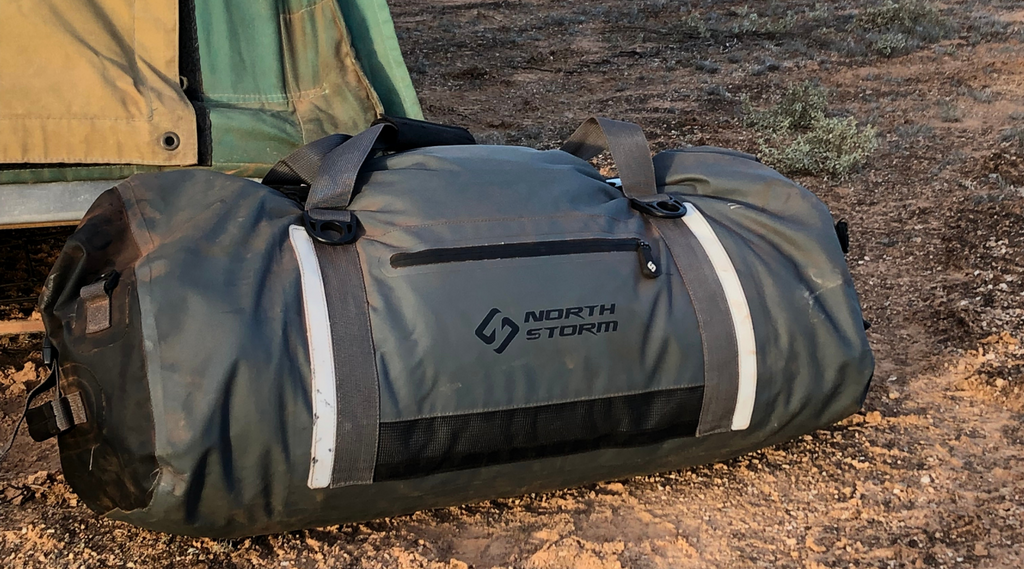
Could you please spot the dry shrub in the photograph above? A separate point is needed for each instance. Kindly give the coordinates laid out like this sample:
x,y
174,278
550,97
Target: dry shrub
x,y
898,27
798,137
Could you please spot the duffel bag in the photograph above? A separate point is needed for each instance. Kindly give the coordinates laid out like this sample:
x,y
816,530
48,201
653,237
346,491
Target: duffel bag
x,y
404,320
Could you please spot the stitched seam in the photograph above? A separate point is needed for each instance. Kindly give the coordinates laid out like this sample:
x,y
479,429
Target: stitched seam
x,y
253,99
696,312
306,9
373,349
345,43
514,407
35,118
298,119
141,219
146,95
493,220
72,168
115,162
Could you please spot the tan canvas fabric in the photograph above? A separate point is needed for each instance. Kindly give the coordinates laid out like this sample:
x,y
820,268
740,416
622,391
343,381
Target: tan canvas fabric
x,y
92,82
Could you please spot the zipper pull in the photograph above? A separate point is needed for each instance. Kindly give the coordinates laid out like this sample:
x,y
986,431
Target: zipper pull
x,y
649,266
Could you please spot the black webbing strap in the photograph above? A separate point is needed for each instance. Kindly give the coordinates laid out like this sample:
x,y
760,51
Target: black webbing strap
x,y
300,167
53,417
357,384
412,133
38,390
356,378
628,147
336,180
718,339
333,228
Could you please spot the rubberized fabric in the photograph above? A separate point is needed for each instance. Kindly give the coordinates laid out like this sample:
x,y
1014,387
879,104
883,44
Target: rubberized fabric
x,y
343,387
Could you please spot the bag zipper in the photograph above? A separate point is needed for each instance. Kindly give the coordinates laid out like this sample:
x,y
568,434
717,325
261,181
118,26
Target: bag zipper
x,y
649,265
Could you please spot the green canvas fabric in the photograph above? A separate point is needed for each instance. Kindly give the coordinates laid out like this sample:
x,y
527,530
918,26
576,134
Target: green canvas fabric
x,y
278,74
373,35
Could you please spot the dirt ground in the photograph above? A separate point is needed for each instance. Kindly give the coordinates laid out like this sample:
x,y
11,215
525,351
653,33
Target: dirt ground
x,y
929,474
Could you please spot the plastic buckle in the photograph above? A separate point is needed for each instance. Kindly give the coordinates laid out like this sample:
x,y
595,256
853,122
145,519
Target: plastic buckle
x,y
661,205
49,352
331,231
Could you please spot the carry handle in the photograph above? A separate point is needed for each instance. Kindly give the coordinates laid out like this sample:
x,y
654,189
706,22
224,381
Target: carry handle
x,y
301,166
327,218
629,149
336,179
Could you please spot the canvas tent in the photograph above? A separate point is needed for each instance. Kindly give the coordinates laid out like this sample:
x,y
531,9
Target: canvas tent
x,y
92,92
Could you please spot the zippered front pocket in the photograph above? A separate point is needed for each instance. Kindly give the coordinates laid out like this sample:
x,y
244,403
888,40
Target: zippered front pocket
x,y
649,265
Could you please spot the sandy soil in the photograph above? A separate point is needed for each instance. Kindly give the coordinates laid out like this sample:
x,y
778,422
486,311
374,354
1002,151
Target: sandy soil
x,y
930,474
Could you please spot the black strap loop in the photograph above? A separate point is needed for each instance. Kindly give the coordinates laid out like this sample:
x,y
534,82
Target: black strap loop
x,y
412,133
49,382
54,417
629,149
336,180
301,167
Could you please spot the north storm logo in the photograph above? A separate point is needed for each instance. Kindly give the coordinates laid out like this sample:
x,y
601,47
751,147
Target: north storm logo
x,y
566,322
491,337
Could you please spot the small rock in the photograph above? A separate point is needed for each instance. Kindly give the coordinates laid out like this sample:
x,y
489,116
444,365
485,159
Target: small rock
x,y
37,479
810,544
11,493
1000,382
707,66
894,395
546,535
27,373
873,418
854,420
614,488
769,66
926,479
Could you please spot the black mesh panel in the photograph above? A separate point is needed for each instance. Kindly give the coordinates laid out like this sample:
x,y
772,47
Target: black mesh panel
x,y
410,449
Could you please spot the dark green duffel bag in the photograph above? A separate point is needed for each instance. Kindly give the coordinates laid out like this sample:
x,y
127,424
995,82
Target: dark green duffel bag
x,y
441,323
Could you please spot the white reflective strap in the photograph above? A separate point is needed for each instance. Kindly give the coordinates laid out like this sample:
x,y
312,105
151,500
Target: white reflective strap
x,y
739,311
321,359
